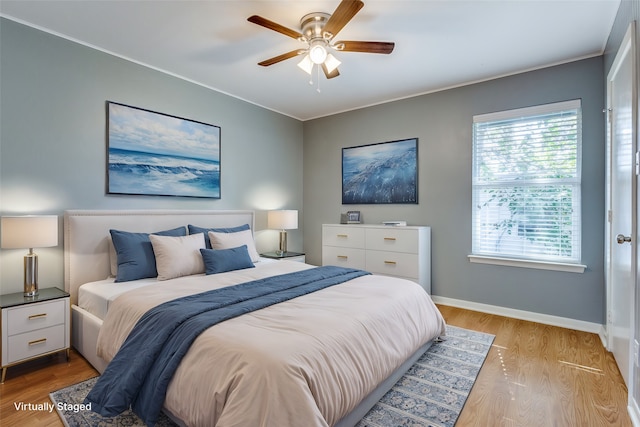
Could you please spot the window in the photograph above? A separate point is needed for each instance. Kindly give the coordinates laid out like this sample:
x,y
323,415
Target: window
x,y
526,184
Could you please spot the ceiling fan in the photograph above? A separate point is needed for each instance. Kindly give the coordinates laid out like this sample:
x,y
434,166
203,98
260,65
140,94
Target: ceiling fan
x,y
318,31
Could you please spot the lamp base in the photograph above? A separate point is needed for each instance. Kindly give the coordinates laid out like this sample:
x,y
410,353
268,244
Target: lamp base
x,y
283,243
30,274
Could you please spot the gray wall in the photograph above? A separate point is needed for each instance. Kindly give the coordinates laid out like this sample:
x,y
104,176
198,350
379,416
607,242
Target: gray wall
x,y
628,12
443,123
53,144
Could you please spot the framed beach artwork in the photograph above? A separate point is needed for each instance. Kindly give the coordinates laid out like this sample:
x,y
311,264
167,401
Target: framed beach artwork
x,y
151,153
380,173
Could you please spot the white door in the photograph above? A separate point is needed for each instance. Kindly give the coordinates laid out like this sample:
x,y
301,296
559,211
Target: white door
x,y
621,240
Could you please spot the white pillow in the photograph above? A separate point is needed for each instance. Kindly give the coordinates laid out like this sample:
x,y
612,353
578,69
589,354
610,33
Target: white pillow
x,y
178,256
234,240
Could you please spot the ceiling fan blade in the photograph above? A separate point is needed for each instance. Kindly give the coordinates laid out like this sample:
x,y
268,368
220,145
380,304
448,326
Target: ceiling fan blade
x,y
282,57
345,11
366,47
332,74
264,22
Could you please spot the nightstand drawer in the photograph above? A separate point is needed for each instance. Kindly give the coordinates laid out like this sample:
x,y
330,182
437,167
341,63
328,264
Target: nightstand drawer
x,y
35,316
31,344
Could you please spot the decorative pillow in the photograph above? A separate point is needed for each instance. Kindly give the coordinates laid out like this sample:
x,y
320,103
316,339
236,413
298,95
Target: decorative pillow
x,y
233,240
135,253
178,256
221,260
193,229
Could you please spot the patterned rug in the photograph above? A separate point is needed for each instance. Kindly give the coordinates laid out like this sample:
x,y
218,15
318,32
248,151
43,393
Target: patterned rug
x,y
431,393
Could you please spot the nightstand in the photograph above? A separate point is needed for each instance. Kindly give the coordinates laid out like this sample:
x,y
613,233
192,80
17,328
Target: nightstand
x,y
289,256
33,327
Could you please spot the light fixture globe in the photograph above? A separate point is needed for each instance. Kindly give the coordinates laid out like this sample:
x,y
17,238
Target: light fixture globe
x,y
317,51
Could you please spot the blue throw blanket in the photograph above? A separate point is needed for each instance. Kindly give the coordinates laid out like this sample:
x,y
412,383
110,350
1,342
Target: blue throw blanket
x,y
139,374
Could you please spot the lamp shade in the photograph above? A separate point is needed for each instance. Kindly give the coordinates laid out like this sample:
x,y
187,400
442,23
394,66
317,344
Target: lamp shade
x,y
25,232
306,65
282,219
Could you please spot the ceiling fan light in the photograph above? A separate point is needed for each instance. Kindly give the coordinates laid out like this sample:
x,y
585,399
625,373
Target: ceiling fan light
x,y
331,63
306,65
317,52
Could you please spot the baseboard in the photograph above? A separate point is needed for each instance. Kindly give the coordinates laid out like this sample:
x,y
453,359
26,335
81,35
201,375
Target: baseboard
x,y
546,319
634,413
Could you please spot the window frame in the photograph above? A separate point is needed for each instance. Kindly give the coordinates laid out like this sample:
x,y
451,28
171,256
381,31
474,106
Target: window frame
x,y
530,261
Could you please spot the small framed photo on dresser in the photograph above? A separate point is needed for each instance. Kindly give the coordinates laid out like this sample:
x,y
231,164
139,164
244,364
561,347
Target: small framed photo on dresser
x,y
353,217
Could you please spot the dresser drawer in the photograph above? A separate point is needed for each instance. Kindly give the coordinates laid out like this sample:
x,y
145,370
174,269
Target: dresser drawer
x,y
343,257
35,316
348,237
393,264
392,239
31,344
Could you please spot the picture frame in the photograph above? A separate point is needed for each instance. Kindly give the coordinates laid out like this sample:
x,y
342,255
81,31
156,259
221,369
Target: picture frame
x,y
157,154
350,217
353,217
382,173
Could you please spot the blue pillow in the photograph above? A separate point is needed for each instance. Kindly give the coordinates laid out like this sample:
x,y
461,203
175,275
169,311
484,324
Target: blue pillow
x,y
221,260
136,259
195,230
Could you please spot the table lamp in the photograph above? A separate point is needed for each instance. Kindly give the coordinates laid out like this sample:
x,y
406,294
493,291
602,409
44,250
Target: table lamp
x,y
28,232
282,220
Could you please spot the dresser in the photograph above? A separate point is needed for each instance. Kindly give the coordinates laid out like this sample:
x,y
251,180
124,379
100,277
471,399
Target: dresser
x,y
393,251
34,326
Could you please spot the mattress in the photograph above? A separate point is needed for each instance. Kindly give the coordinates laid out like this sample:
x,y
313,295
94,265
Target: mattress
x,y
96,297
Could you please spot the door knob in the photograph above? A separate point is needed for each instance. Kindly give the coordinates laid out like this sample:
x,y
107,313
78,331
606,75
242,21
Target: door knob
x,y
621,238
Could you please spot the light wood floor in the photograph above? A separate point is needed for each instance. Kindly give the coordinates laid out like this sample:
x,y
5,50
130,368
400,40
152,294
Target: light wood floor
x,y
534,375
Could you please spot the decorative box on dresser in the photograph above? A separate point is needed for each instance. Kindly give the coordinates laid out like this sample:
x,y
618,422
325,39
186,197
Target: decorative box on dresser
x,y
403,251
34,326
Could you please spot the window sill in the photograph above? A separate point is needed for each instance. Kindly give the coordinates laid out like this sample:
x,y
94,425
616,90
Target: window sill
x,y
542,265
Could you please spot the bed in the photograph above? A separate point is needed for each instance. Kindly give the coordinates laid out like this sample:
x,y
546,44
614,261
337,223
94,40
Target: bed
x,y
321,359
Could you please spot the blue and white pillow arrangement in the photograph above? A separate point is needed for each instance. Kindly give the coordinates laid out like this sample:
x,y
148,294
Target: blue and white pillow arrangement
x,y
174,253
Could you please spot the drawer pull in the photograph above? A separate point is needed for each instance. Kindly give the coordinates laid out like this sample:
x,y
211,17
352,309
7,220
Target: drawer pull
x,y
390,238
343,256
390,262
41,340
343,236
37,316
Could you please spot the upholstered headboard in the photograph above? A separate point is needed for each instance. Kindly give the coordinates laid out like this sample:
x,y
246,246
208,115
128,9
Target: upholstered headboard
x,y
86,236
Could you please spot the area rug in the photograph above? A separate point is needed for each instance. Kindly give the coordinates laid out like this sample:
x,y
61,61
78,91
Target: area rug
x,y
431,393
435,388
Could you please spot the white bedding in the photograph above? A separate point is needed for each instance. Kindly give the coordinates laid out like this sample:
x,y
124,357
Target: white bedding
x,y
96,297
305,362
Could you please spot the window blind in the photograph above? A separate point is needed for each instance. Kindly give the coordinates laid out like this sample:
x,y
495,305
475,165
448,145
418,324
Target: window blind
x,y
526,183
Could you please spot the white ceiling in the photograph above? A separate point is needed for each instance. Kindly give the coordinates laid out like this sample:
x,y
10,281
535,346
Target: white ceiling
x,y
439,44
